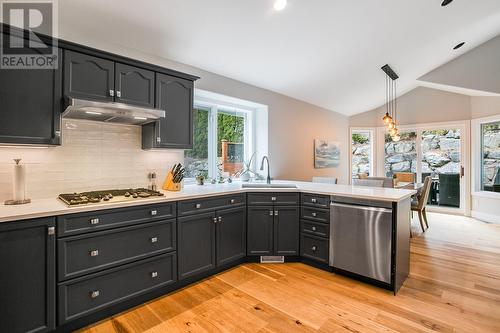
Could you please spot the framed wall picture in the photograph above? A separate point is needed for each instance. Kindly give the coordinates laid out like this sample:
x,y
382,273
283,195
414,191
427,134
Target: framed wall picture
x,y
326,154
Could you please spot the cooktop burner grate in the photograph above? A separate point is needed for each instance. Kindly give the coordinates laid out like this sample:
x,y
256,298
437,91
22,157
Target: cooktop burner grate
x,y
82,198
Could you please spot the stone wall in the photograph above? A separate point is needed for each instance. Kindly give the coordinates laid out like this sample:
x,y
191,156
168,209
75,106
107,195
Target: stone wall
x,y
360,153
491,152
400,156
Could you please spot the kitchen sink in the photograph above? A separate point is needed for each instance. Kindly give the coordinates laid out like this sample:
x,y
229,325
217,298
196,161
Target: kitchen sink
x,y
264,185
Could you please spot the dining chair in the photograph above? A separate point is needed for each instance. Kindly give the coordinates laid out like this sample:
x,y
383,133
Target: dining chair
x,y
325,180
362,175
368,182
406,177
419,204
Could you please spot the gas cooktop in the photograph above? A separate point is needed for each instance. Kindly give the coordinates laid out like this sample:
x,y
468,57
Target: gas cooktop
x,y
131,194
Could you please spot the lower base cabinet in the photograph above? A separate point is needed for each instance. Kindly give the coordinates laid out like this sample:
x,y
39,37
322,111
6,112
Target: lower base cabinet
x,y
208,240
27,276
82,296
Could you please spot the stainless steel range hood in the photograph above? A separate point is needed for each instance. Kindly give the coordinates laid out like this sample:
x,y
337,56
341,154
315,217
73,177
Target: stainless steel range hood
x,y
111,112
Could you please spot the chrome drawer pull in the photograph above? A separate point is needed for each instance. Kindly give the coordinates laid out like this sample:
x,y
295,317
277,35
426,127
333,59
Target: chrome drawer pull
x,y
94,221
118,94
111,92
215,220
220,218
154,239
154,274
95,293
313,248
233,201
273,198
94,253
198,206
313,214
313,200
154,212
313,228
271,213
275,213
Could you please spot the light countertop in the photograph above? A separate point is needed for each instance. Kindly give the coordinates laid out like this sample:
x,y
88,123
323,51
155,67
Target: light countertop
x,y
53,206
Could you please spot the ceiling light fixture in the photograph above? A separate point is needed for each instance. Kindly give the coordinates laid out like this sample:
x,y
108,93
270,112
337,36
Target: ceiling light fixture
x,y
279,4
446,2
459,45
390,103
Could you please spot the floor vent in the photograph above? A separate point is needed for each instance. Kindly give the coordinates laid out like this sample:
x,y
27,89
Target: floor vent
x,y
272,259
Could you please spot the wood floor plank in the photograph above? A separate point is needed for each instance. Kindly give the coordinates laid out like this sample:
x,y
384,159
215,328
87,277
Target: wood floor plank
x,y
454,287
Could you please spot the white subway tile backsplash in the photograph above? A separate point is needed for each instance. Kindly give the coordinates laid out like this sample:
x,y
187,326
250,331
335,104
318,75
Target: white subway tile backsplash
x,y
92,156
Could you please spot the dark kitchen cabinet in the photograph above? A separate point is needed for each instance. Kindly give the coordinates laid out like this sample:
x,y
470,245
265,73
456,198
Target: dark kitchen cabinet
x,y
260,231
196,244
27,277
286,230
175,96
230,235
134,85
31,105
88,77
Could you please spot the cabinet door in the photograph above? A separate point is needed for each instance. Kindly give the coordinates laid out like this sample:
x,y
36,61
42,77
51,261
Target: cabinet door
x,y
195,244
134,85
260,231
31,105
88,77
175,96
230,235
286,230
27,276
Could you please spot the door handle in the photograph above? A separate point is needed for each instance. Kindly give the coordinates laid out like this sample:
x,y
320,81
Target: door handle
x,y
119,94
154,239
111,92
220,218
275,213
94,221
94,253
271,213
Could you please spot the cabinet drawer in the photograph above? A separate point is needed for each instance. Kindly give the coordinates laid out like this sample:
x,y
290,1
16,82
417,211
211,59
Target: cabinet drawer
x,y
264,198
100,220
315,228
204,205
82,296
316,200
315,214
84,254
313,247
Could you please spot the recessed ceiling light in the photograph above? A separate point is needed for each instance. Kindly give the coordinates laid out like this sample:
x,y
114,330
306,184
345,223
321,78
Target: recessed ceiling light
x,y
279,5
446,2
459,45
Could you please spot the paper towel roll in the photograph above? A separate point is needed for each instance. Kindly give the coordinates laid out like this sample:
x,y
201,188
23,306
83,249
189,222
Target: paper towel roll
x,y
19,181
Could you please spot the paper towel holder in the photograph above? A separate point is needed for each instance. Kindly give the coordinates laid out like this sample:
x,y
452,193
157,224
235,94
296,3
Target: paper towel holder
x,y
17,202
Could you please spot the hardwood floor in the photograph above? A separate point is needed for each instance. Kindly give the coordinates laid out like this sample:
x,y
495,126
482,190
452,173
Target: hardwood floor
x,y
454,286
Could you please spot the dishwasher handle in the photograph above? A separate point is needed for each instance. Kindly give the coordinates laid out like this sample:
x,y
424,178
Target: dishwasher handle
x,y
373,209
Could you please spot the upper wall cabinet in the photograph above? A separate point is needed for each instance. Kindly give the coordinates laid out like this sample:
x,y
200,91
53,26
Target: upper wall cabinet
x,y
134,85
30,106
88,77
175,96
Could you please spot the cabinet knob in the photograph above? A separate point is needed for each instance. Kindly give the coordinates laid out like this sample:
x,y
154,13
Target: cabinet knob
x,y
275,213
94,221
232,201
313,200
158,139
118,94
154,274
313,214
94,253
271,213
273,198
313,248
51,230
111,92
154,239
198,206
313,228
95,293
220,218
215,220
154,212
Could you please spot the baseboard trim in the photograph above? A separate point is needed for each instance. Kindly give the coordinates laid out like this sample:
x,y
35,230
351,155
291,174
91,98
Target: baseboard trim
x,y
485,217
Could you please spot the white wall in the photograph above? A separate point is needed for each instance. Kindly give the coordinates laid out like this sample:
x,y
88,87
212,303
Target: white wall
x,y
293,124
93,156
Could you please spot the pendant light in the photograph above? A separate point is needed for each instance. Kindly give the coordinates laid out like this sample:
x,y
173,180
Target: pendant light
x,y
389,118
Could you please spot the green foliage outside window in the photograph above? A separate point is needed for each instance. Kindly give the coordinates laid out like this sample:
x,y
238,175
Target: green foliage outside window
x,y
230,128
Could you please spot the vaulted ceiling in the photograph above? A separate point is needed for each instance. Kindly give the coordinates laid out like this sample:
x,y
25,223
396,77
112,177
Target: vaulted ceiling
x,y
326,52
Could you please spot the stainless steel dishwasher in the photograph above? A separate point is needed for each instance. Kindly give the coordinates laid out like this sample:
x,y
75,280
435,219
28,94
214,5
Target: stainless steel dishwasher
x,y
361,237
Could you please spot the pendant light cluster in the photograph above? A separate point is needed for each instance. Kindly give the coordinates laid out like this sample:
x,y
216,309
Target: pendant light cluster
x,y
391,103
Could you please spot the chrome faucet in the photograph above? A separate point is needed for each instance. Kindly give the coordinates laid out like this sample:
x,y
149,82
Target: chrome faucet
x,y
262,168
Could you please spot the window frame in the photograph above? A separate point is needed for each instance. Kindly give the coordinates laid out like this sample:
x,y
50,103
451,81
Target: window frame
x,y
477,151
214,107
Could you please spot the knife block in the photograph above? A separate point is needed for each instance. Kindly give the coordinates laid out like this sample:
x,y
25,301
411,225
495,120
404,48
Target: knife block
x,y
169,184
